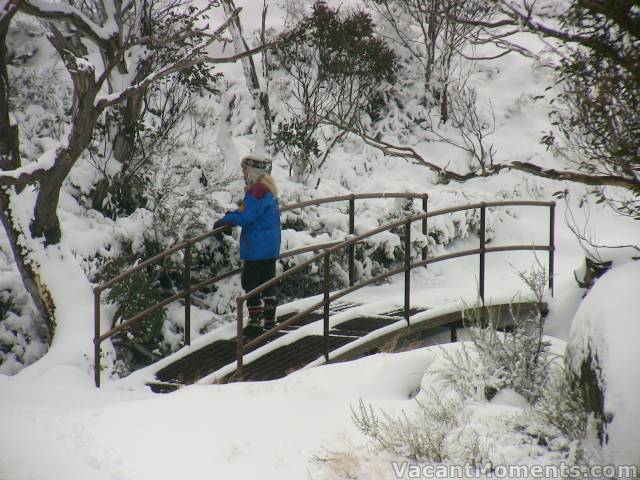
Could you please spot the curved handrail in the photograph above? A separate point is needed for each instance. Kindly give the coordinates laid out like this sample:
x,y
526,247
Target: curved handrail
x,y
199,286
353,196
482,250
190,289
390,226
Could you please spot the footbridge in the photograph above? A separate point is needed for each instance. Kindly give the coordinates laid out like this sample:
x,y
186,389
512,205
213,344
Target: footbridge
x,y
330,326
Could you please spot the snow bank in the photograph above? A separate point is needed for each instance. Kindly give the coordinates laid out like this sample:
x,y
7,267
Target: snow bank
x,y
607,327
64,428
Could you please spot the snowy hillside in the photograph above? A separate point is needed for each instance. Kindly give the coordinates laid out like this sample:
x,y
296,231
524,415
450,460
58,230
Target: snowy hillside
x,y
312,424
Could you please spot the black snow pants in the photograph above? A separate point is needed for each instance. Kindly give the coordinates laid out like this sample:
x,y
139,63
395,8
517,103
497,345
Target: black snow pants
x,y
254,274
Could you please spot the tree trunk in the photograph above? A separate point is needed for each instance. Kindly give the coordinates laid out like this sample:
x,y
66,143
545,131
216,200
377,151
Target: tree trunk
x,y
10,160
9,144
85,116
45,215
123,144
38,293
260,98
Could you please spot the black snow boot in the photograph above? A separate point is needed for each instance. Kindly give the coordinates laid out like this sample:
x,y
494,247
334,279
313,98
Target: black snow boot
x,y
254,327
270,304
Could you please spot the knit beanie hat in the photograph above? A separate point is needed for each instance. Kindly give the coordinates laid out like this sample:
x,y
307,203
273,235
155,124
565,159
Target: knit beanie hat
x,y
256,166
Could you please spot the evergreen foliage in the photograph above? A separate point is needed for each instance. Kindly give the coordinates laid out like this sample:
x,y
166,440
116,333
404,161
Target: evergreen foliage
x,y
335,66
601,94
142,343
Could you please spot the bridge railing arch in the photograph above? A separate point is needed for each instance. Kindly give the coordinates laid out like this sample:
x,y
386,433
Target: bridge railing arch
x,y
325,257
190,287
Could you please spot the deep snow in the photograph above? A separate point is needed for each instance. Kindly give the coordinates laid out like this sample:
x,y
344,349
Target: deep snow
x,y
55,424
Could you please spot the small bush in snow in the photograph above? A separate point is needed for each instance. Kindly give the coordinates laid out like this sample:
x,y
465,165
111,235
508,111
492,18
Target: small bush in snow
x,y
141,344
22,339
551,422
518,359
422,437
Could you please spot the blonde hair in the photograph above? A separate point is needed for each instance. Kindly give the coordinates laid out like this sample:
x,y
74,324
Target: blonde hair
x,y
269,182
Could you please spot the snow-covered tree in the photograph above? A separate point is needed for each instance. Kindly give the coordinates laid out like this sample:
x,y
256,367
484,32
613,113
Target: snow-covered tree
x,y
334,67
108,54
428,34
598,71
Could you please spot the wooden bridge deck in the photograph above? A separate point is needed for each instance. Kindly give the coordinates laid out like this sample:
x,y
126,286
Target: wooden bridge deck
x,y
275,363
278,362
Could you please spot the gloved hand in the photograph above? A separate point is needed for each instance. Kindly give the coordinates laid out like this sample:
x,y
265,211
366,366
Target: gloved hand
x,y
217,224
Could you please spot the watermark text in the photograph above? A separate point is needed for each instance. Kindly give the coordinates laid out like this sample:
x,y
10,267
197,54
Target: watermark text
x,y
490,471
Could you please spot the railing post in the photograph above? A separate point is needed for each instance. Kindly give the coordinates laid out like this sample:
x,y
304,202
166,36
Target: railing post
x,y
425,198
483,224
187,295
552,246
326,288
240,338
407,269
96,336
352,247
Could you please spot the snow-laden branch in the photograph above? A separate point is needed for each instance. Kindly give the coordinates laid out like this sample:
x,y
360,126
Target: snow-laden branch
x,y
31,172
101,34
189,60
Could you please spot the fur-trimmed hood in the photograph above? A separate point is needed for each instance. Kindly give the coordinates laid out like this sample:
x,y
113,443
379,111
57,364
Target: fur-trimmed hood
x,y
268,182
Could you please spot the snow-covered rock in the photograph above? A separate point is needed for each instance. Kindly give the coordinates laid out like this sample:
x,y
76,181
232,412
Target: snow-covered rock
x,y
603,355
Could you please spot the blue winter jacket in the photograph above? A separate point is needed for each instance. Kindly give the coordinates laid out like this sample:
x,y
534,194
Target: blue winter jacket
x,y
259,218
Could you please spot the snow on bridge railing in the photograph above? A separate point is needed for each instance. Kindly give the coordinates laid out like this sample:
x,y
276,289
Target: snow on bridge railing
x,y
190,288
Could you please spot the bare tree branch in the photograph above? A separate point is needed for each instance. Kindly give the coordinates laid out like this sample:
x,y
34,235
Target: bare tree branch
x,y
391,150
587,237
596,180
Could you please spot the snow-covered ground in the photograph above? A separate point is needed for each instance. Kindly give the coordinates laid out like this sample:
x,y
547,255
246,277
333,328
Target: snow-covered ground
x,y
54,424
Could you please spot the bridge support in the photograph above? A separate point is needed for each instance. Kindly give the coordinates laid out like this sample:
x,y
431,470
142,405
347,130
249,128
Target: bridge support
x,y
327,288
407,271
483,246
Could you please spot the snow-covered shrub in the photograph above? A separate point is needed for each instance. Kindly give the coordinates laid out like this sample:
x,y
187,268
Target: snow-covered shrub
x,y
142,343
518,359
514,373
422,437
22,339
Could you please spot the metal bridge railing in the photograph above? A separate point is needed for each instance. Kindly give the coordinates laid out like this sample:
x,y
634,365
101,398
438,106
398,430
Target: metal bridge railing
x,y
325,257
190,288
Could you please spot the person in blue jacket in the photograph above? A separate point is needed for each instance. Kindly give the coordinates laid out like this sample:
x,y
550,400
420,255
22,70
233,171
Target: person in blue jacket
x,y
259,217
